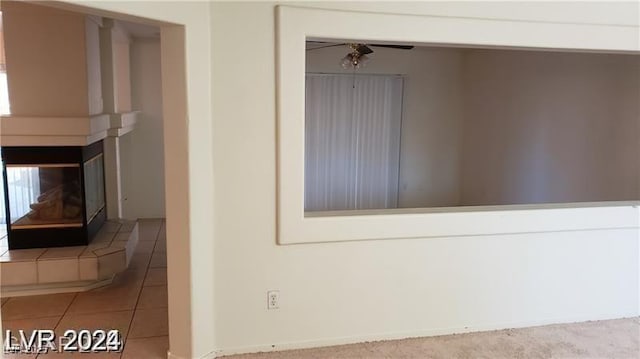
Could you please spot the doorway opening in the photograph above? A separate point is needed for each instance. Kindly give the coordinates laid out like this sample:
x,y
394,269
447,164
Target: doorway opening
x,y
129,293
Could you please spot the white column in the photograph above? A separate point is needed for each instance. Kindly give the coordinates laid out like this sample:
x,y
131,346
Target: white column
x,y
107,66
113,185
112,173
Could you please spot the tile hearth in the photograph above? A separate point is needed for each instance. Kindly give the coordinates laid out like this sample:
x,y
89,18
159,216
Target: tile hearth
x,y
133,303
65,269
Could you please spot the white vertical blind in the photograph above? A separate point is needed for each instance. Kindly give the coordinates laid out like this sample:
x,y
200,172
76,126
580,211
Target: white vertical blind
x,y
352,141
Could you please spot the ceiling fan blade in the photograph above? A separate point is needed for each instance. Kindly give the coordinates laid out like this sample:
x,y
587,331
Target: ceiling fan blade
x,y
363,49
400,47
322,47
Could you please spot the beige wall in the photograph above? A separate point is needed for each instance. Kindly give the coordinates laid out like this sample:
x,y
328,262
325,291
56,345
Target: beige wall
x,y
51,85
550,127
374,289
2,59
341,292
143,149
431,137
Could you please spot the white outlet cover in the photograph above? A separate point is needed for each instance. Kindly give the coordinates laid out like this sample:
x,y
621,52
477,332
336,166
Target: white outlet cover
x,y
273,299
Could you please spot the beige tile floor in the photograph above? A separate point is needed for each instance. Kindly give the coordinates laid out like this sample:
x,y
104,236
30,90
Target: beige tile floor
x,y
135,303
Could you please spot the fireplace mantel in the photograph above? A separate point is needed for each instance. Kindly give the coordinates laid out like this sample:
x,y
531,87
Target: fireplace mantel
x,y
64,131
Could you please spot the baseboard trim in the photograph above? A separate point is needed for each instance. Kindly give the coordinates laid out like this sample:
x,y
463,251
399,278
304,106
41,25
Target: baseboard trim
x,y
211,355
406,335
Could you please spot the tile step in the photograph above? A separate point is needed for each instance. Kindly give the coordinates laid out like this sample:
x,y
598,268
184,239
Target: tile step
x,y
65,269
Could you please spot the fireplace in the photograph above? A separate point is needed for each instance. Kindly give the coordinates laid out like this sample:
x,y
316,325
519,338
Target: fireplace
x,y
54,196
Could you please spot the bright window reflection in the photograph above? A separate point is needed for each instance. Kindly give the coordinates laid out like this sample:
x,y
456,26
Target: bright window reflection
x,y
4,88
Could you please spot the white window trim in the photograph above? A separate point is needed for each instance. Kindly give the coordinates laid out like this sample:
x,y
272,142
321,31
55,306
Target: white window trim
x,y
295,25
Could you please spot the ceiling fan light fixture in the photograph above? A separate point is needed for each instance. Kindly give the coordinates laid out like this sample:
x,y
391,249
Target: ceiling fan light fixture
x,y
357,56
363,60
347,61
354,60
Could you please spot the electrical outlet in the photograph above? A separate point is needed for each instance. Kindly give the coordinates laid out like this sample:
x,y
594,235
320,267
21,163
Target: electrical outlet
x,y
273,299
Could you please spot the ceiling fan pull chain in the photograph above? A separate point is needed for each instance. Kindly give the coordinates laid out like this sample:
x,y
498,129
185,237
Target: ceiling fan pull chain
x,y
354,77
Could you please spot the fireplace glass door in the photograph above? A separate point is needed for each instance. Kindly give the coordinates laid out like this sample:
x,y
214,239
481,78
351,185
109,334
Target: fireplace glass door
x,y
94,185
55,195
47,195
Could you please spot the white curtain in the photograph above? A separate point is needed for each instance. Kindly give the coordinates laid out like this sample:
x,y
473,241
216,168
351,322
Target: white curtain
x,y
352,141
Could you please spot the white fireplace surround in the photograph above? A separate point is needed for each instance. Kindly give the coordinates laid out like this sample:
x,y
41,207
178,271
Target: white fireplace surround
x,y
77,131
64,131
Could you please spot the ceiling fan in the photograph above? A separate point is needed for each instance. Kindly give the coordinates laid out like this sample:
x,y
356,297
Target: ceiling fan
x,y
357,57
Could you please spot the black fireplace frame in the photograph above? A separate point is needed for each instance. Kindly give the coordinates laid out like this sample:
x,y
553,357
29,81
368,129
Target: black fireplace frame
x,y
47,237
